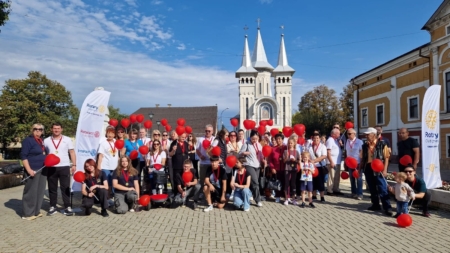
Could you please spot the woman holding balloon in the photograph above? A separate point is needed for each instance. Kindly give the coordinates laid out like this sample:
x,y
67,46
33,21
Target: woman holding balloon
x,y
131,150
318,152
221,142
94,186
276,163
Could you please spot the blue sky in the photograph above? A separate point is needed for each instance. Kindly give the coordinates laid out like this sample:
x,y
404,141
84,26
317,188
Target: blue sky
x,y
185,53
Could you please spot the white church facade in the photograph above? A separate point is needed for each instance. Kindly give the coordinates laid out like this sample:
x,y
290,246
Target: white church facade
x,y
256,101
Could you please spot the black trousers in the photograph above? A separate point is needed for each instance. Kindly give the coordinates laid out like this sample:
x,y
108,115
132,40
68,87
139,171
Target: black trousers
x,y
102,195
319,181
61,174
136,163
254,186
424,202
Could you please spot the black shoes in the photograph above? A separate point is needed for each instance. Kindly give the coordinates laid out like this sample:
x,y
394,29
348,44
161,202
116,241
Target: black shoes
x,y
388,213
322,199
338,193
87,211
105,213
374,208
312,205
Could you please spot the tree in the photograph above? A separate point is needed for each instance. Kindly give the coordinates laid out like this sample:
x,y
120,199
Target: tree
x,y
114,113
318,110
35,99
5,10
346,101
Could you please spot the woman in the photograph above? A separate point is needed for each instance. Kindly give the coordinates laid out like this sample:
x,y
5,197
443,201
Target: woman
x,y
252,150
291,158
276,163
318,153
156,135
233,147
221,142
133,144
120,135
240,182
126,186
156,160
108,156
95,186
192,141
33,156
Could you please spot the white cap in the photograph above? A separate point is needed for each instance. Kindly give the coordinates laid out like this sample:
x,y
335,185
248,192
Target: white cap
x,y
371,130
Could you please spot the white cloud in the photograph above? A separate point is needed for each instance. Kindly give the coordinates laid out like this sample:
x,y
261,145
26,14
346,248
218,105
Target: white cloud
x,y
150,24
181,47
170,9
265,1
156,2
131,2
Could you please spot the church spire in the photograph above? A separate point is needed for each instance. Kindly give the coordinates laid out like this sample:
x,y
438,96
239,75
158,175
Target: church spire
x,y
259,59
246,66
283,65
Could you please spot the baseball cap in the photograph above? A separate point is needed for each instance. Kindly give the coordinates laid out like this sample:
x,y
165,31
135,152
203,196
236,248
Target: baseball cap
x,y
110,129
371,130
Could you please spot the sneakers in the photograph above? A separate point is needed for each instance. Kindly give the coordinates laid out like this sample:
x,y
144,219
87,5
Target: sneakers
x,y
330,194
68,211
338,193
314,197
208,209
247,210
251,198
231,196
105,213
302,205
195,205
294,202
360,197
29,218
426,214
52,210
277,200
259,204
286,203
87,211
110,202
227,196
312,205
354,196
131,210
322,199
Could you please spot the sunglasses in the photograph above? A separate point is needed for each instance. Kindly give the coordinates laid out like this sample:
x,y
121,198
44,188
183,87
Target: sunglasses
x,y
38,129
156,144
165,135
232,135
156,134
409,171
208,131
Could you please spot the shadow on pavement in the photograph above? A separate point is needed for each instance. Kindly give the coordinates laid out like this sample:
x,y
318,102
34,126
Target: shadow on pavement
x,y
16,205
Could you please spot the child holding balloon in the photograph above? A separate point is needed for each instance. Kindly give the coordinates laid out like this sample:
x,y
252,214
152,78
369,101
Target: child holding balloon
x,y
306,178
403,193
95,185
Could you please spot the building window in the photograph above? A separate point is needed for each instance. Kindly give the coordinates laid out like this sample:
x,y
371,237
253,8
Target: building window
x,y
246,108
380,114
267,89
364,117
284,111
448,30
265,111
447,145
447,90
413,108
260,88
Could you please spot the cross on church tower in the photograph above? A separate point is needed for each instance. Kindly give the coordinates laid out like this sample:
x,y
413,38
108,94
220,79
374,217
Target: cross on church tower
x,y
245,29
259,22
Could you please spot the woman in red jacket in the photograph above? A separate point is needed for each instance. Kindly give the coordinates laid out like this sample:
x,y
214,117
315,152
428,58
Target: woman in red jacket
x,y
276,163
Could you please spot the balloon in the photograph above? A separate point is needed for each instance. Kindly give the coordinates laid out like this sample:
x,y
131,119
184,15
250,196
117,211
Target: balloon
x,y
133,155
404,220
119,144
187,177
180,130
234,122
181,122
133,118
377,165
355,174
344,175
301,140
287,131
315,172
164,122
274,132
261,130
125,123
168,128
249,124
113,122
148,124
140,118
144,200
79,177
270,122
188,129
348,125
266,150
351,162
206,144
231,161
263,123
405,160
51,160
143,150
227,140
216,151
299,129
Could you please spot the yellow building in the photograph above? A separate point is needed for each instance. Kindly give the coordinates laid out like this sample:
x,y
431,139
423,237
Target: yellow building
x,y
391,94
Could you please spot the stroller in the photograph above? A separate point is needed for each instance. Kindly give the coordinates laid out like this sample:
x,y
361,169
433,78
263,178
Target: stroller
x,y
159,179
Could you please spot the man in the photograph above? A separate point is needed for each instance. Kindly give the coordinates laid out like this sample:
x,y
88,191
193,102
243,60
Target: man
x,y
241,136
146,142
343,138
382,138
376,149
165,142
353,148
423,197
202,153
215,185
334,155
190,189
179,153
407,146
61,146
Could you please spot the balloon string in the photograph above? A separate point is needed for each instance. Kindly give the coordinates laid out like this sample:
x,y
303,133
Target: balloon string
x,y
39,170
94,193
409,209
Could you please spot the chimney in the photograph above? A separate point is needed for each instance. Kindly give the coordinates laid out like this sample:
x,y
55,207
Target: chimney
x,y
157,105
169,105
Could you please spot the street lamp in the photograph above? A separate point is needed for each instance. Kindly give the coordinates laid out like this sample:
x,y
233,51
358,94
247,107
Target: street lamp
x,y
150,115
158,123
221,122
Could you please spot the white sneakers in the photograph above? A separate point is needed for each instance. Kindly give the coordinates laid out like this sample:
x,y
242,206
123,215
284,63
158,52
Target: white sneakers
x,y
209,208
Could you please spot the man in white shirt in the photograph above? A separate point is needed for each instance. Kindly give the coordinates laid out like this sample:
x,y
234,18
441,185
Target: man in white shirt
x,y
203,153
353,148
61,146
334,155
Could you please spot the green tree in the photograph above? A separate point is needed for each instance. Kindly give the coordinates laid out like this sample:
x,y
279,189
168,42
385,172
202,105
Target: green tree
x,y
5,10
31,100
318,110
114,113
346,101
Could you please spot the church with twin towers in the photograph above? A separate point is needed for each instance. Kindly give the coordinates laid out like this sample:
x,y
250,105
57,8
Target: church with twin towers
x,y
256,99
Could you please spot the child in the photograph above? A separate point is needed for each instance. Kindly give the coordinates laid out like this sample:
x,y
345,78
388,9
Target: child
x,y
403,193
306,184
291,159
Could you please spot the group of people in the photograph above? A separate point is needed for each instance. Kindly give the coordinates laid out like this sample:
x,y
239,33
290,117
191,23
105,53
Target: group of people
x,y
298,169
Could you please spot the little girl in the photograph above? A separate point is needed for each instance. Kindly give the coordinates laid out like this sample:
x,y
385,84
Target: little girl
x,y
403,193
291,158
306,178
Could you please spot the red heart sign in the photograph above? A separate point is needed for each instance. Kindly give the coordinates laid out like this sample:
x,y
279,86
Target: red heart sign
x,y
133,155
274,132
188,129
164,122
206,144
119,144
231,161
187,177
234,122
181,122
180,130
148,124
216,151
143,150
266,150
133,118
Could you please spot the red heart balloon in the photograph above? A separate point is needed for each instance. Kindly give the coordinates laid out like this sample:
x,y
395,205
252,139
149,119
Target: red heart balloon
x,y
377,165
133,155
51,160
249,124
144,200
187,177
274,132
287,131
351,162
261,130
206,144
139,118
133,118
263,123
168,128
143,150
266,150
216,151
299,129
231,161
125,123
113,122
270,122
181,122
344,175
315,172
234,122
180,130
163,122
348,125
79,177
405,160
119,144
404,220
148,124
355,174
188,129
301,140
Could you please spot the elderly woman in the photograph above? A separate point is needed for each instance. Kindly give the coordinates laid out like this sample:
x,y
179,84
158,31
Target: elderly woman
x,y
33,156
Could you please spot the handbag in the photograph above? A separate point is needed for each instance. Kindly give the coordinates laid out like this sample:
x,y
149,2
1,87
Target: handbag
x,y
274,184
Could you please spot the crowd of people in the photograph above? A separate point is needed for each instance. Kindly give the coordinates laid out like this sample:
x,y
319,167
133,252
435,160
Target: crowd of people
x,y
295,170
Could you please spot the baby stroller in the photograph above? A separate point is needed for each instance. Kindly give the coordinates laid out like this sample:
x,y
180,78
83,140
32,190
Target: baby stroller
x,y
159,178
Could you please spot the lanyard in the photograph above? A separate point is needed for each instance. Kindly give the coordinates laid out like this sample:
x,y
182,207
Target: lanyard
x,y
181,144
135,145
144,140
57,146
216,177
241,180
126,176
154,159
113,148
39,141
235,148
255,145
352,143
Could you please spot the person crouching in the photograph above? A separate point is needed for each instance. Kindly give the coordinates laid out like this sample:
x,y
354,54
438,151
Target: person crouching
x,y
190,189
94,186
215,185
240,183
126,186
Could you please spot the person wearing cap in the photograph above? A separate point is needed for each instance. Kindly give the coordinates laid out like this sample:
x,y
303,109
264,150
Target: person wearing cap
x,y
108,156
375,149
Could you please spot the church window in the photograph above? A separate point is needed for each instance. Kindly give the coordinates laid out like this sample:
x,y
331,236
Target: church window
x,y
283,80
448,29
260,91
246,108
287,80
284,111
265,111
251,80
279,79
242,80
267,85
246,80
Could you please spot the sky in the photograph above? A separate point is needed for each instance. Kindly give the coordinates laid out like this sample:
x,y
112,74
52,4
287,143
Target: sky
x,y
185,53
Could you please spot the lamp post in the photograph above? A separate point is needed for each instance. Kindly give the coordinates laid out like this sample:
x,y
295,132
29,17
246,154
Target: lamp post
x,y
150,116
221,122
158,123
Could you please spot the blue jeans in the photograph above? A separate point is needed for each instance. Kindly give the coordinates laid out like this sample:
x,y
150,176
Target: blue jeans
x,y
242,197
378,188
356,183
109,174
402,207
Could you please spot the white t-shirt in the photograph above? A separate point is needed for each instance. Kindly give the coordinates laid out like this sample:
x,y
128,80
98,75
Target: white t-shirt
x,y
353,148
110,154
64,144
156,159
202,150
147,142
320,151
307,174
234,147
336,152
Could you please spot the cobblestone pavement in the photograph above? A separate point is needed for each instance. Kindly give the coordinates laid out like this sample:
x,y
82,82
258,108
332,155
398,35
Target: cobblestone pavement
x,y
340,224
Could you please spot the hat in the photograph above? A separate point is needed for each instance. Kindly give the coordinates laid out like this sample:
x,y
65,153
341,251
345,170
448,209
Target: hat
x,y
371,130
110,129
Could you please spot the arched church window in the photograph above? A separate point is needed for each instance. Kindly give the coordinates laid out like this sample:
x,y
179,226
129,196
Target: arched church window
x,y
266,111
267,86
287,80
242,80
260,91
279,79
246,80
251,80
283,80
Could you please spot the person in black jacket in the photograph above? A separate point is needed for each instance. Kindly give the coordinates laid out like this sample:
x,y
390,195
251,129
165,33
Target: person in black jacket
x,y
179,152
407,146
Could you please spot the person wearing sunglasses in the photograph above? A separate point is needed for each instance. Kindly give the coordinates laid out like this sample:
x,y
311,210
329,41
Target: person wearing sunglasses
x,y
192,144
156,135
156,160
202,152
120,135
33,155
353,148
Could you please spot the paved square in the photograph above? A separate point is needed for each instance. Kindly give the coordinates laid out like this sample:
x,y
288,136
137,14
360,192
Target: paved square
x,y
339,225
